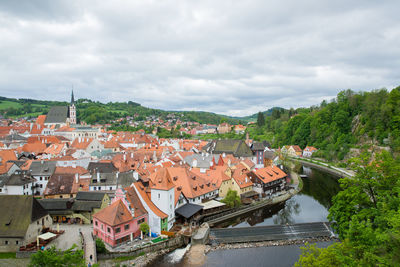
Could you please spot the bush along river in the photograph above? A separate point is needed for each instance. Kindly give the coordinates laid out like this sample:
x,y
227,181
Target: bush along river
x,y
310,205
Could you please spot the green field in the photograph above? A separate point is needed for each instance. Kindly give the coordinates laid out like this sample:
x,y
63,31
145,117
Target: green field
x,y
9,104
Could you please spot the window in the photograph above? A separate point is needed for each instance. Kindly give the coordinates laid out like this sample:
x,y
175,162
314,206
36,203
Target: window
x,y
6,242
158,196
126,227
41,178
101,227
118,230
95,223
16,242
108,230
41,186
140,221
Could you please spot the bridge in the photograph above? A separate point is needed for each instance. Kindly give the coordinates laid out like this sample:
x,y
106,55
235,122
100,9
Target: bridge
x,y
271,233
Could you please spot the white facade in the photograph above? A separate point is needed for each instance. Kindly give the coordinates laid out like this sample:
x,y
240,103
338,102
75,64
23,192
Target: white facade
x,y
199,199
41,182
165,201
154,220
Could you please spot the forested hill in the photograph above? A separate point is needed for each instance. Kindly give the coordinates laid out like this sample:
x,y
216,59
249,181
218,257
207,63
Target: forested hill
x,y
97,112
351,120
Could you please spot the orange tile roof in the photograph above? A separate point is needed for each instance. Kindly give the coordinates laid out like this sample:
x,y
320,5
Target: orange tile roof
x,y
191,184
115,214
141,189
36,148
81,143
161,180
135,202
240,176
54,149
270,173
41,119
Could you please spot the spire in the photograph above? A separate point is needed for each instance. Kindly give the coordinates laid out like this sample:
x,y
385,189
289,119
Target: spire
x,y
72,97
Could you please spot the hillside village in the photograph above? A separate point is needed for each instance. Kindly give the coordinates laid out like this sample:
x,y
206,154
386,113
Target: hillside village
x,y
55,171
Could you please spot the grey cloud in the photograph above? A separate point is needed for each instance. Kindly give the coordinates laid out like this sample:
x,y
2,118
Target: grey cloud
x,y
230,57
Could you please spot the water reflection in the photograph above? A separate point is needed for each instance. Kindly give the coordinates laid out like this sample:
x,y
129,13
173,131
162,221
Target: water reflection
x,y
311,205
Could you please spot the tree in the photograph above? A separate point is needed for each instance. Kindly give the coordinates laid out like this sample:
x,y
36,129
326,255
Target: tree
x,y
367,217
232,199
144,227
100,246
260,119
53,257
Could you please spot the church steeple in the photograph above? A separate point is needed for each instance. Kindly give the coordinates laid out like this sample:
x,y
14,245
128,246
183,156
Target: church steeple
x,y
72,97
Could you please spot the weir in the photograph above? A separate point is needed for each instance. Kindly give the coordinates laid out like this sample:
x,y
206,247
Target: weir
x,y
272,233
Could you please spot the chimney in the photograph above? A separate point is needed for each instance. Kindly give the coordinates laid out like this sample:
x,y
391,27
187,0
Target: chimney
x,y
124,157
132,155
74,164
98,177
76,178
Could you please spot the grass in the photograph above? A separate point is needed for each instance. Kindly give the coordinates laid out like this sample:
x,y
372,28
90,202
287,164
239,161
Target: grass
x,y
127,258
7,255
7,104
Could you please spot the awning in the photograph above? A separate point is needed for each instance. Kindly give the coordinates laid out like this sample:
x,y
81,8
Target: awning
x,y
47,236
212,204
188,210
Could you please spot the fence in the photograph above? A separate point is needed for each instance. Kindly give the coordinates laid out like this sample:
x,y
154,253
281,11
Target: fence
x,y
170,243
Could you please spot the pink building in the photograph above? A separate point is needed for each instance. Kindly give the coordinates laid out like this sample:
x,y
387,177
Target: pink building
x,y
120,222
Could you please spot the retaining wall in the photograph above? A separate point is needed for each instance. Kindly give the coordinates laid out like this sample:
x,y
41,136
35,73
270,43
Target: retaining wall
x,y
170,244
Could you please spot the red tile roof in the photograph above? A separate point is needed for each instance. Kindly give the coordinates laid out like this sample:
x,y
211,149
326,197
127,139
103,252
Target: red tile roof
x,y
270,173
115,214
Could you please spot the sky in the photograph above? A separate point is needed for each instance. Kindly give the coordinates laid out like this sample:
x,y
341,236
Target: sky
x,y
228,57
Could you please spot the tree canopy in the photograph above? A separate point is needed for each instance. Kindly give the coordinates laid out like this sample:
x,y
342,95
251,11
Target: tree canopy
x,y
232,199
366,215
53,257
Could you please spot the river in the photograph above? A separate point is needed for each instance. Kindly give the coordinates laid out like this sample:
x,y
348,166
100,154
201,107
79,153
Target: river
x,y
310,205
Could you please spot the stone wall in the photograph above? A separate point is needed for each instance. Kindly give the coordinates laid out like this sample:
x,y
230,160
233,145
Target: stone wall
x,y
170,244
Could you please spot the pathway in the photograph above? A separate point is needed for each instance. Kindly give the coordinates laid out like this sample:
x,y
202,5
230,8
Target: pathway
x,y
89,247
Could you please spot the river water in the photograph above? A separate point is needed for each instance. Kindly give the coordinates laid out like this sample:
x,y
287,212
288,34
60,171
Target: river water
x,y
310,205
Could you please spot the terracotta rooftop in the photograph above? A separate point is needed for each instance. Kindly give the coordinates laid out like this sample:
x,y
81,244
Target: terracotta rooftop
x,y
115,214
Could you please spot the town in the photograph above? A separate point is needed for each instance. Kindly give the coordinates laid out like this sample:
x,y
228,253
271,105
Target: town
x,y
120,187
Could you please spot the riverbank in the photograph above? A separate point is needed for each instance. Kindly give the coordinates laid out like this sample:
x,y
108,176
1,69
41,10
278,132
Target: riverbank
x,y
339,172
210,248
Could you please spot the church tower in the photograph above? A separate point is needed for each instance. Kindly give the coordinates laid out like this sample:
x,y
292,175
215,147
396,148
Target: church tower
x,y
72,110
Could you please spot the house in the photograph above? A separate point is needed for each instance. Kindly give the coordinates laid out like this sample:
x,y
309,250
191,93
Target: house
x,y
308,151
88,203
237,148
292,151
163,193
241,179
194,186
114,224
103,181
258,150
223,128
41,172
239,129
60,186
202,161
22,220
158,220
60,209
270,179
87,144
18,183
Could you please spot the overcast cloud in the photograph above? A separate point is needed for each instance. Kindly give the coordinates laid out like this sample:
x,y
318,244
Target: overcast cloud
x,y
228,57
